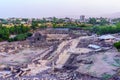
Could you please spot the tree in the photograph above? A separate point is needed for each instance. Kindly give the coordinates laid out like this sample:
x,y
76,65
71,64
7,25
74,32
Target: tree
x,y
54,20
103,21
4,33
92,21
54,25
34,25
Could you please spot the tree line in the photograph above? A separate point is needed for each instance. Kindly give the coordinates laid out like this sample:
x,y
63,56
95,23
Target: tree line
x,y
5,32
106,29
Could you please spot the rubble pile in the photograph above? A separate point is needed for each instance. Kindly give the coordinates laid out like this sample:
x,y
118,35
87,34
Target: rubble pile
x,y
86,42
14,47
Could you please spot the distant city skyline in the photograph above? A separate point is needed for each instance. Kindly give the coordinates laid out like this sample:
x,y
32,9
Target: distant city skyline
x,y
57,8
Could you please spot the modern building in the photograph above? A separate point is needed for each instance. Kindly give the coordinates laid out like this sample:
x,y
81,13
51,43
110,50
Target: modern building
x,y
82,18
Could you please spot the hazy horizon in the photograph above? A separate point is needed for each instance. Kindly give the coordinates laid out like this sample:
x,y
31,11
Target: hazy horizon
x,y
57,8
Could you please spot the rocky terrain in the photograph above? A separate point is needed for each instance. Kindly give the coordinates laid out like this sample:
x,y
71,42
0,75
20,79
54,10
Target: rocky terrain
x,y
66,55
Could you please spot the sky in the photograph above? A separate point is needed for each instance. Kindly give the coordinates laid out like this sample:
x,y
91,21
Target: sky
x,y
57,8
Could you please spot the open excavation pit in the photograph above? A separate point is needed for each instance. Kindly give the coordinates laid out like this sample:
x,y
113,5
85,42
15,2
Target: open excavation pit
x,y
64,58
98,63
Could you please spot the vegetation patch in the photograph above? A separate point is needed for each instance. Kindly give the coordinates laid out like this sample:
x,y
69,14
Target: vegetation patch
x,y
117,45
106,29
6,32
20,37
106,76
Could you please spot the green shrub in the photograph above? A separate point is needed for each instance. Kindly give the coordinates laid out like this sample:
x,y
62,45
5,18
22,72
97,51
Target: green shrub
x,y
10,39
1,39
20,37
106,76
29,34
106,29
117,45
